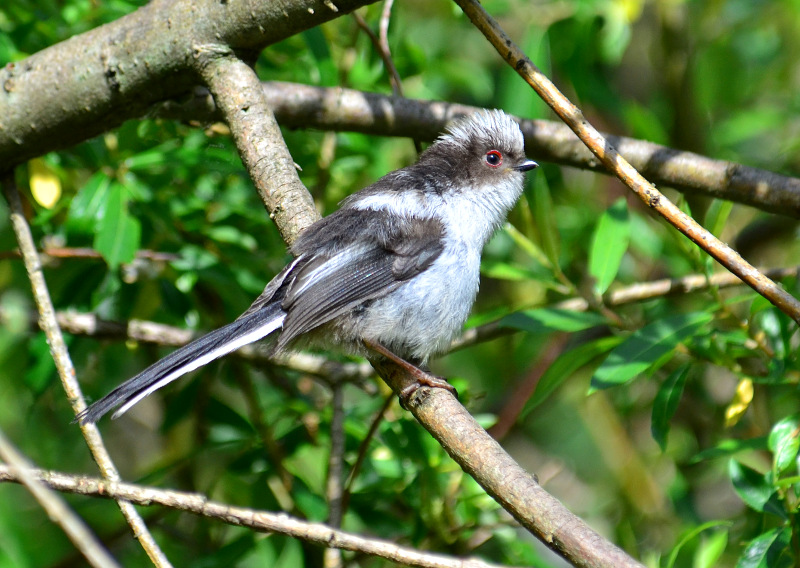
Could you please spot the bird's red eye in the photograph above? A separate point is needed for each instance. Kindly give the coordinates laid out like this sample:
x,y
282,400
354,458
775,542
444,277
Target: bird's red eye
x,y
493,158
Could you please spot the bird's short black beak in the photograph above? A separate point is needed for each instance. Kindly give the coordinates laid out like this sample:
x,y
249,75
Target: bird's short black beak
x,y
526,166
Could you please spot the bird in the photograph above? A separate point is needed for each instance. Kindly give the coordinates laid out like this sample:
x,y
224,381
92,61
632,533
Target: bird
x,y
395,269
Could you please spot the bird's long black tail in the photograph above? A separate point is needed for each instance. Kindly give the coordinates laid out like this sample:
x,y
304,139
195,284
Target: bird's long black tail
x,y
247,329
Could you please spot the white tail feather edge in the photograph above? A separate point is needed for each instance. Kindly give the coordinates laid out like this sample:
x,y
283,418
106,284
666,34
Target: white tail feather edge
x,y
246,339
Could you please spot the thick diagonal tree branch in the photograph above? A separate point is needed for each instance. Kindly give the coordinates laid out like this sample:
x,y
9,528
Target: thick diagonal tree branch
x,y
95,81
503,478
238,93
447,420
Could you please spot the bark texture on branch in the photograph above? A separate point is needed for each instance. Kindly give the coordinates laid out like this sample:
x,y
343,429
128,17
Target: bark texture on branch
x,y
348,110
519,493
95,81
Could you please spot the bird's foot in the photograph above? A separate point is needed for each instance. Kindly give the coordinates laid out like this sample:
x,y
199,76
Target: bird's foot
x,y
422,378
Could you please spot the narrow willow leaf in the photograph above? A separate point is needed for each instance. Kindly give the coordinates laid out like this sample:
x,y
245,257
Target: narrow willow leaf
x,y
647,347
717,215
566,366
552,319
691,535
710,549
545,220
666,403
609,244
527,245
730,447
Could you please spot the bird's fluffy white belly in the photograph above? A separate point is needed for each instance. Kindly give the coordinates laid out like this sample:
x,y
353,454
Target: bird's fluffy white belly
x,y
423,315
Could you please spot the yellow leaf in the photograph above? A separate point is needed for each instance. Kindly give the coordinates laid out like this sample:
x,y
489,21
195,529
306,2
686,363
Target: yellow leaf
x,y
740,403
45,186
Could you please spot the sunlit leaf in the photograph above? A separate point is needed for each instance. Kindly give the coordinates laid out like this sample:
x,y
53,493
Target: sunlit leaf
x,y
45,185
609,244
647,347
552,319
784,441
740,403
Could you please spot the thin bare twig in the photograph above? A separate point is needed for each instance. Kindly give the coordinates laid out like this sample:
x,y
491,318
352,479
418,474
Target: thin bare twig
x,y
66,371
363,449
382,46
57,509
82,252
611,158
264,521
383,26
334,485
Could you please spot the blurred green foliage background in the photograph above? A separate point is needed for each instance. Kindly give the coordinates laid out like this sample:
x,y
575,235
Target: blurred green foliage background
x,y
684,453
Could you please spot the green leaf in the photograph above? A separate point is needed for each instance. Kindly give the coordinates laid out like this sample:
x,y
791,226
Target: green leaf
x,y
542,205
118,236
784,443
729,447
86,208
755,489
647,347
711,548
609,244
717,215
232,235
526,244
551,319
692,534
768,550
506,271
665,404
566,366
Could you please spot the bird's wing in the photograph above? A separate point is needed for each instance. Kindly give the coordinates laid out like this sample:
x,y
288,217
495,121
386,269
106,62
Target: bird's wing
x,y
378,260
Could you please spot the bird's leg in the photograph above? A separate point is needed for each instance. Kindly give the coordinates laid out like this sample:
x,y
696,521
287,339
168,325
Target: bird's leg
x,y
423,378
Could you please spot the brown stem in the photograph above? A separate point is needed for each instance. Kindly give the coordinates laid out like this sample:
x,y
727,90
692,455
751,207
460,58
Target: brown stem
x,y
610,157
